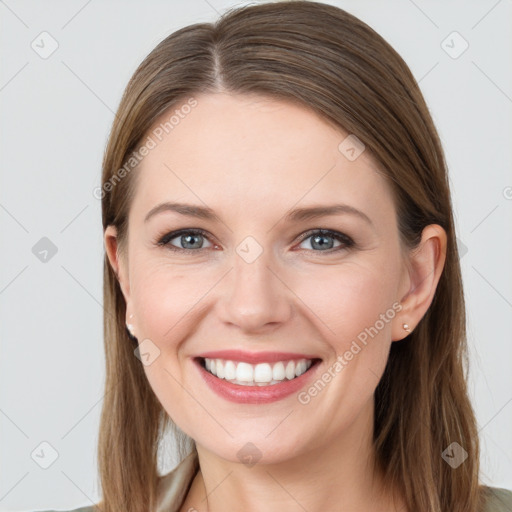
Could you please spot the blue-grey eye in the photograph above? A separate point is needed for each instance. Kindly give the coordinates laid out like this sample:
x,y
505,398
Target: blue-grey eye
x,y
188,240
324,239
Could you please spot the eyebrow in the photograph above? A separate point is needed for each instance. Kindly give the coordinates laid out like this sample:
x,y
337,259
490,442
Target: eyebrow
x,y
296,215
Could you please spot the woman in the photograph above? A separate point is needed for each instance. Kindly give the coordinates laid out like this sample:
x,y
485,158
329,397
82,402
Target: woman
x,y
281,280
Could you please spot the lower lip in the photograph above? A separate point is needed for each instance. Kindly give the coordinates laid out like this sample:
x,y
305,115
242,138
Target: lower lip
x,y
255,394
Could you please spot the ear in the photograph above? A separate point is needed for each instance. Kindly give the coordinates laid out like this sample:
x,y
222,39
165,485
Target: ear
x,y
117,260
422,272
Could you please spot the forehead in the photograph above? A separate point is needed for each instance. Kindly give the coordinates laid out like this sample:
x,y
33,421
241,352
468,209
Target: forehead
x,y
254,152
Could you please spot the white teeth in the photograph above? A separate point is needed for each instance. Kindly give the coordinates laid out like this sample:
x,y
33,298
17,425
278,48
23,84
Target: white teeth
x,y
220,368
229,370
290,370
244,372
278,371
300,368
261,374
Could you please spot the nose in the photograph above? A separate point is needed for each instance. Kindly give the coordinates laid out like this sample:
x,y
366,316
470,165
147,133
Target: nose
x,y
254,297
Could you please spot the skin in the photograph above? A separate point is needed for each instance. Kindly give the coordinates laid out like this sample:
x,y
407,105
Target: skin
x,y
252,159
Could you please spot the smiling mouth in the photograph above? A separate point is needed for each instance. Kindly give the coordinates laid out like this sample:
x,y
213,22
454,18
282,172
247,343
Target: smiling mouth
x,y
262,374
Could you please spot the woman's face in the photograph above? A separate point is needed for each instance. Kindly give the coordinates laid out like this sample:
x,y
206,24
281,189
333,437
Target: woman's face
x,y
259,288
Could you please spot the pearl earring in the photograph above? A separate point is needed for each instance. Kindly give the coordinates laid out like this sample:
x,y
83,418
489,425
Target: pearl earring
x,y
406,327
130,327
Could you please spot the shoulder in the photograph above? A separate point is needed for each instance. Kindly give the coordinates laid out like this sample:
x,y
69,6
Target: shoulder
x,y
173,487
497,499
82,509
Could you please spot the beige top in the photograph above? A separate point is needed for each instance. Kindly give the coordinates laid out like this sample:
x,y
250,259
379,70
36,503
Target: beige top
x,y
173,488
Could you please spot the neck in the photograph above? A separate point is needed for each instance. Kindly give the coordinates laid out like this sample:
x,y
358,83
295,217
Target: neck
x,y
339,475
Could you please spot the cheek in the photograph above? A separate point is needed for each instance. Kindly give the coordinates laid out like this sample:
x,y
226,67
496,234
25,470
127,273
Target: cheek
x,y
355,307
350,302
337,305
167,300
343,302
165,297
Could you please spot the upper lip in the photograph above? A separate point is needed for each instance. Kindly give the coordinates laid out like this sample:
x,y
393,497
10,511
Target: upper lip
x,y
254,357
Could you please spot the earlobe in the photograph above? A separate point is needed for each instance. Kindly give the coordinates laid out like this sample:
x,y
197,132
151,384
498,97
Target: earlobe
x,y
424,266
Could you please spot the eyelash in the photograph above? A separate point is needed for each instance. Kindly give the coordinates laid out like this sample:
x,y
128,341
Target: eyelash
x,y
341,237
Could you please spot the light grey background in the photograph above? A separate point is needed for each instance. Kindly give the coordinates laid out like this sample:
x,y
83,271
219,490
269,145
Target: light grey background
x,y
55,117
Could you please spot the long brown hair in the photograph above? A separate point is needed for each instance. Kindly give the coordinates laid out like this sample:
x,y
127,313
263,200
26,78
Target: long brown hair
x,y
330,61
